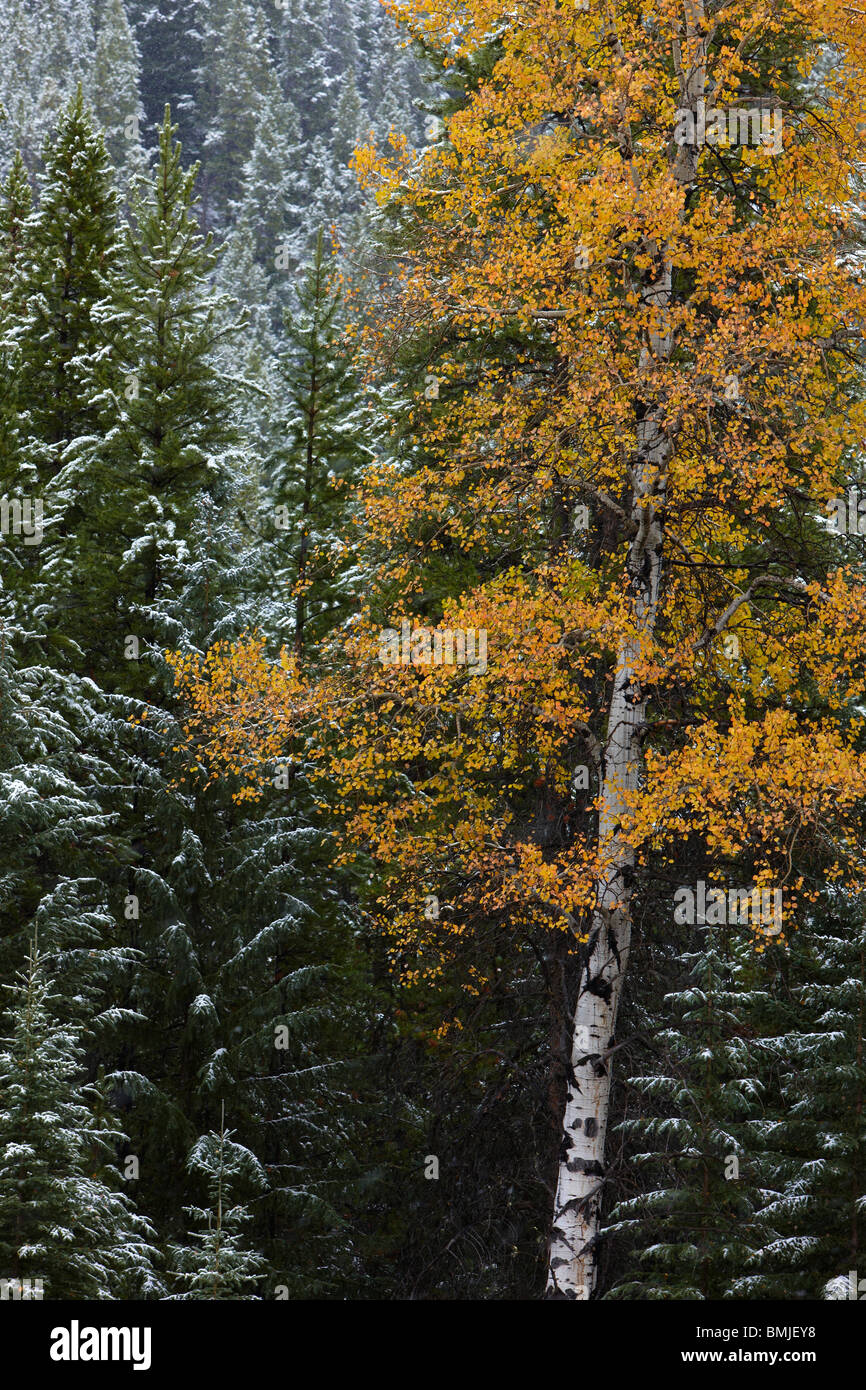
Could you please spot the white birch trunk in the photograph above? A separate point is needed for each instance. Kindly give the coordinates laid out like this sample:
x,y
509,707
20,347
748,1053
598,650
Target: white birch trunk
x,y
576,1219
581,1168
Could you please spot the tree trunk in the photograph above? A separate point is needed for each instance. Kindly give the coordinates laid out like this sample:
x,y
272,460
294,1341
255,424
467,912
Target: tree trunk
x,y
576,1219
581,1167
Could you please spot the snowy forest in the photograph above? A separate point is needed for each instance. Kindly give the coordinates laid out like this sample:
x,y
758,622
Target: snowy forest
x,y
432,650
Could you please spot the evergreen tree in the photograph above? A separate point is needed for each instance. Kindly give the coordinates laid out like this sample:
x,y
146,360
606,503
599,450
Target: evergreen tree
x,y
256,981
168,433
216,1265
307,65
70,245
343,54
169,37
237,81
700,1134
46,51
813,1225
60,1221
16,201
21,70
323,425
247,356
270,203
68,35
351,124
55,834
116,87
394,83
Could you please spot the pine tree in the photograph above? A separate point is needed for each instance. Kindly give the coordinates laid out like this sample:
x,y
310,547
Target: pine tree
x,y
323,424
46,51
700,1133
168,432
812,1227
169,37
270,202
60,1221
69,250
116,88
72,245
238,79
216,1265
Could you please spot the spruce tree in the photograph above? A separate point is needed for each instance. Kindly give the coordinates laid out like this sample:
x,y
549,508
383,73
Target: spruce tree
x,y
221,962
257,979
21,69
116,87
323,425
700,1133
69,40
46,51
56,834
812,1226
168,433
237,80
308,72
70,249
216,1264
350,124
247,357
16,200
169,37
270,201
63,1218
72,245
15,208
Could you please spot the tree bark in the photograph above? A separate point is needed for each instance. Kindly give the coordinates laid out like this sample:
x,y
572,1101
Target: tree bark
x,y
574,1236
576,1225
